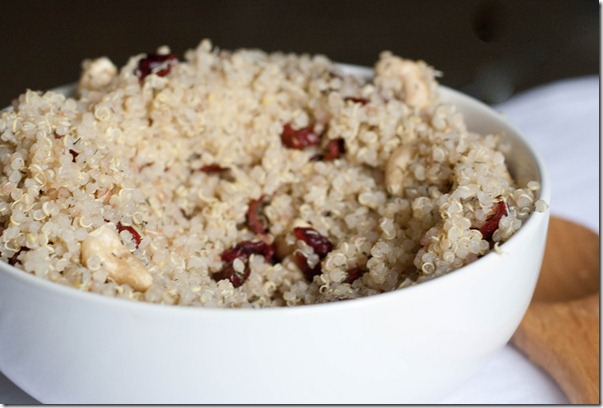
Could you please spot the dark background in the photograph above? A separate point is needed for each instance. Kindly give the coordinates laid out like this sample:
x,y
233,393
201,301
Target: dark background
x,y
488,48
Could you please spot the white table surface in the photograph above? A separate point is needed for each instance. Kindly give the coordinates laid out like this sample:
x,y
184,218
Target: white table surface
x,y
561,120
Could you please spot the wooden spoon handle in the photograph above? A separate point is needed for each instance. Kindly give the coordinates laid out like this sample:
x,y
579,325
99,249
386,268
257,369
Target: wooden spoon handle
x,y
563,338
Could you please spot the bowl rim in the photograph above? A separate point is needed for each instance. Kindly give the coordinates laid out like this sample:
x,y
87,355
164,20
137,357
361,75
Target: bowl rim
x,y
526,230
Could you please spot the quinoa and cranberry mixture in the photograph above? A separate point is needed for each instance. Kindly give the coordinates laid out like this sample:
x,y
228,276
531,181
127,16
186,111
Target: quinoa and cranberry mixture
x,y
248,179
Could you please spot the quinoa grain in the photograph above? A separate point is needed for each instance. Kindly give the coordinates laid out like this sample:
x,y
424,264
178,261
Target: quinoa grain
x,y
248,179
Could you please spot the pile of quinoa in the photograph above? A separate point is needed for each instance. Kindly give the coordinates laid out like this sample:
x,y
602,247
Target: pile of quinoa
x,y
249,179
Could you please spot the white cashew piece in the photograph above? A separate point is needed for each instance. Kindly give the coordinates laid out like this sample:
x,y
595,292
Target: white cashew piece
x,y
415,83
396,169
97,73
123,267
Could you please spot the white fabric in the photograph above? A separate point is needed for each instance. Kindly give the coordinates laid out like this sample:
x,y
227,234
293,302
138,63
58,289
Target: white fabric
x,y
561,120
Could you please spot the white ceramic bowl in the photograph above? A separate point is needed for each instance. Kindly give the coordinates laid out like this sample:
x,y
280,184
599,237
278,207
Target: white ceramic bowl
x,y
413,345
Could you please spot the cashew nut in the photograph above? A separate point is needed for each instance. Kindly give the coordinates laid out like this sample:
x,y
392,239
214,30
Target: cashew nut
x,y
415,83
122,266
397,168
97,73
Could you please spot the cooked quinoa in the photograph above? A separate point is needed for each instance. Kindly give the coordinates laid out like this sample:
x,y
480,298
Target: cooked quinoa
x,y
248,179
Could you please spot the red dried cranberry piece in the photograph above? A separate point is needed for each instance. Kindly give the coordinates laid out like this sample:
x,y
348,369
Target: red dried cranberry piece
x,y
321,245
236,278
354,273
256,219
334,149
151,62
302,263
299,138
362,101
135,235
491,224
244,249
213,168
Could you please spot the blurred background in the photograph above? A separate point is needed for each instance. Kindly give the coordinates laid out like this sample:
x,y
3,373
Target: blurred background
x,y
490,49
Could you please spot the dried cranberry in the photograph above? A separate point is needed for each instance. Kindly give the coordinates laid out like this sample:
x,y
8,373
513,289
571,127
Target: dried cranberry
x,y
491,224
213,168
235,277
299,138
302,263
354,273
151,62
244,249
256,219
334,149
57,136
362,101
135,235
321,245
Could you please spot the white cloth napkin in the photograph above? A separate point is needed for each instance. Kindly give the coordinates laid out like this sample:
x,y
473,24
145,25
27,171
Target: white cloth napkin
x,y
561,121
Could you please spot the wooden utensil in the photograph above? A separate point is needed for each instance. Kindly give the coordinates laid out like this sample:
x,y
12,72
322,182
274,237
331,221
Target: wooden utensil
x,y
560,331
